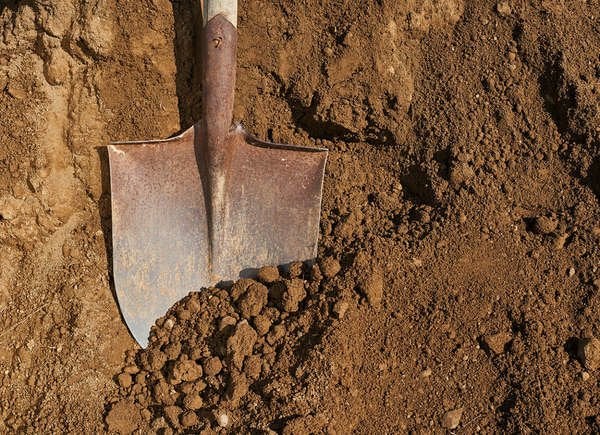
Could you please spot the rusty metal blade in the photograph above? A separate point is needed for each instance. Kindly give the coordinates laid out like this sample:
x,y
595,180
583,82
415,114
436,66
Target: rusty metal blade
x,y
165,246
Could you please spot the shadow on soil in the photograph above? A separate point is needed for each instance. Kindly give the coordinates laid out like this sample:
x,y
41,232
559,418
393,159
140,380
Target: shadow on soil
x,y
188,60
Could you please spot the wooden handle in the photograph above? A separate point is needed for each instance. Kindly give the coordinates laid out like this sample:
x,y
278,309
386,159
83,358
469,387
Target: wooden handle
x,y
227,8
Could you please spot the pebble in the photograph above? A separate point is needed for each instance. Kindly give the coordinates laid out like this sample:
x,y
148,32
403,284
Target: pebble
x,y
56,68
588,351
451,419
226,321
223,420
9,207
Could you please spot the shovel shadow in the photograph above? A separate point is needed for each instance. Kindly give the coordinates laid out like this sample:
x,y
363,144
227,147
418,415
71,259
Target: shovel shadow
x,y
188,61
105,211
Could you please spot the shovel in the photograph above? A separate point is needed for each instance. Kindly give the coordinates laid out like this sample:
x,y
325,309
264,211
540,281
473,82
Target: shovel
x,y
212,204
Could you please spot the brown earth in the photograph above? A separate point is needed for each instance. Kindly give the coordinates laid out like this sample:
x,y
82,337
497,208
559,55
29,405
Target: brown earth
x,y
461,201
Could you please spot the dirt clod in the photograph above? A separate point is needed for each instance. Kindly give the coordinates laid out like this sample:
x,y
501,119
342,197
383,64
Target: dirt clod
x,y
453,126
241,343
330,267
372,287
123,417
253,300
268,274
497,343
546,224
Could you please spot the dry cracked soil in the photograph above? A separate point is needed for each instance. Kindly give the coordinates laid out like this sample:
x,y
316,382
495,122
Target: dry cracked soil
x,y
457,285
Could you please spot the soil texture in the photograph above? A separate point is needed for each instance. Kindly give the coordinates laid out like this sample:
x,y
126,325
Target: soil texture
x,y
457,286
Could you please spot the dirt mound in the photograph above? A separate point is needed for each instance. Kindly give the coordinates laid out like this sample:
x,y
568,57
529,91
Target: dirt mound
x,y
460,200
221,358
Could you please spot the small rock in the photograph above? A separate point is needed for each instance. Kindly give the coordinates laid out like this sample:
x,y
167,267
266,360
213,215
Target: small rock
x,y
451,419
223,419
559,241
571,272
9,207
169,323
56,68
226,321
340,308
212,366
330,267
588,351
503,8
268,274
585,376
124,380
189,419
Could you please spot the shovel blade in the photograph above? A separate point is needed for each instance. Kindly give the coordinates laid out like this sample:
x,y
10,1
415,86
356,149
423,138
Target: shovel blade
x,y
164,244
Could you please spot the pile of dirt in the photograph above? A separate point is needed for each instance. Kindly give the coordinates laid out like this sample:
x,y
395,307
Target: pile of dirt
x,y
221,357
460,199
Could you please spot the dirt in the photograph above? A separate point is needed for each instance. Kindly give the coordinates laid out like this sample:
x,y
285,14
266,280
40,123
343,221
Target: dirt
x,y
457,285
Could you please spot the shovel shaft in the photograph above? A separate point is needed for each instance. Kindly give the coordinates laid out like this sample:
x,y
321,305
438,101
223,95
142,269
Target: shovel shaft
x,y
219,51
219,62
227,8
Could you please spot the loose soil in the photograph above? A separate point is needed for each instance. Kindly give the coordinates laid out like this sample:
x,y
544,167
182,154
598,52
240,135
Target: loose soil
x,y
457,286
